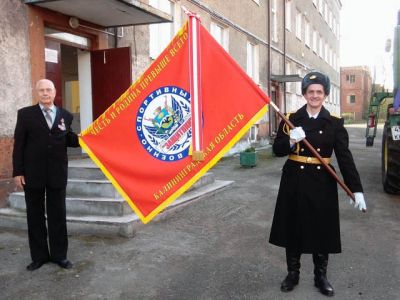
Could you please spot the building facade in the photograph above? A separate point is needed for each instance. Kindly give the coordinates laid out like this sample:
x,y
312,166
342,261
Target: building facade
x,y
312,43
355,92
275,41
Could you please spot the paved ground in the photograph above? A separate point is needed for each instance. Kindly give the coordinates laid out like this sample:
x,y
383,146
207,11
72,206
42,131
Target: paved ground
x,y
217,248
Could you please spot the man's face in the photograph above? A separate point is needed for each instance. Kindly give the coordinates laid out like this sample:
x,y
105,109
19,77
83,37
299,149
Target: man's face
x,y
315,96
46,93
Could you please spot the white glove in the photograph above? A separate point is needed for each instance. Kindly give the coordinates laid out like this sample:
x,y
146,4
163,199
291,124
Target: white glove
x,y
359,201
297,134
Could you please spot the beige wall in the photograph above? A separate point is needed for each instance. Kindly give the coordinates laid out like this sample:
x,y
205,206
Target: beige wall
x,y
15,83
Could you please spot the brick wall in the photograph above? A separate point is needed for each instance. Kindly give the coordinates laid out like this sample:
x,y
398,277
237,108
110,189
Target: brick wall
x,y
6,183
6,146
360,88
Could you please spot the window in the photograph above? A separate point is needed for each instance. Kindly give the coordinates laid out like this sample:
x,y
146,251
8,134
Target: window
x,y
288,15
253,133
288,71
321,47
307,38
252,61
220,34
325,12
274,21
298,84
320,6
160,34
334,25
334,63
351,78
351,99
330,57
298,24
337,29
315,41
326,56
338,96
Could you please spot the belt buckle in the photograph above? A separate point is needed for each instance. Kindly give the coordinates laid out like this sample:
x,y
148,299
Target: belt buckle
x,y
308,159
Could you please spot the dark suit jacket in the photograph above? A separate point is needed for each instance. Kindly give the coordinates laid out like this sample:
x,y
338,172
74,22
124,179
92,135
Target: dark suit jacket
x,y
40,154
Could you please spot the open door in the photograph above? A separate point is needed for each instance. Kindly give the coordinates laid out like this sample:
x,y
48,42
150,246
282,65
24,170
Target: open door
x,y
53,68
111,76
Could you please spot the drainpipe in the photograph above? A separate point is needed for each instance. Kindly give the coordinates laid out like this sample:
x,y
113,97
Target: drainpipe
x,y
269,62
284,55
115,37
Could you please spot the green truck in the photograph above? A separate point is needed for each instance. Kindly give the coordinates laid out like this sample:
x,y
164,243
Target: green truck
x,y
391,129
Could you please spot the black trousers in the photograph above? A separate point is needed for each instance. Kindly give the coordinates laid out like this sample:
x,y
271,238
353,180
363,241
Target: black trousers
x,y
51,241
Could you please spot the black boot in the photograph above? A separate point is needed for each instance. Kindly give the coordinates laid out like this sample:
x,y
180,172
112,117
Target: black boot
x,y
320,280
293,267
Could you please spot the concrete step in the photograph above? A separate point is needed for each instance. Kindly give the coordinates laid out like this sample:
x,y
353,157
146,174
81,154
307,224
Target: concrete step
x,y
87,169
81,206
84,168
91,188
207,178
96,197
125,225
104,188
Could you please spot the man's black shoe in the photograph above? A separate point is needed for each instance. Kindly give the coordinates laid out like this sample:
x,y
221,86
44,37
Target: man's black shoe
x,y
291,280
321,282
65,264
35,265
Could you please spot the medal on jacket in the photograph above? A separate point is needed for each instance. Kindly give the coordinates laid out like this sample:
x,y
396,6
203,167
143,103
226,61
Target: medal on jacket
x,y
62,125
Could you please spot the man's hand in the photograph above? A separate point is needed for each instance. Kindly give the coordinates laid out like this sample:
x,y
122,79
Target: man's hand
x,y
19,181
297,134
359,201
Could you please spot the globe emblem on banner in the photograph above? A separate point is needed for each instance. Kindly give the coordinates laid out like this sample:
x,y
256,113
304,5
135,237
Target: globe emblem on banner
x,y
163,123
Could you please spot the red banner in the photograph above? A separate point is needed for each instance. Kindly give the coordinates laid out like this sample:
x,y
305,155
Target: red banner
x,y
142,142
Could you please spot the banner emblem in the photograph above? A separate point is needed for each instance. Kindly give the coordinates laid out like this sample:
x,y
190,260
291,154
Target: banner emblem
x,y
163,123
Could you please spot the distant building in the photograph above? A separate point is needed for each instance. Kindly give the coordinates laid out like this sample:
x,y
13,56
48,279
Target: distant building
x,y
355,92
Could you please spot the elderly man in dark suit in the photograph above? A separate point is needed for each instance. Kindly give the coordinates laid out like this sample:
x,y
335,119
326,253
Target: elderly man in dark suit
x,y
40,163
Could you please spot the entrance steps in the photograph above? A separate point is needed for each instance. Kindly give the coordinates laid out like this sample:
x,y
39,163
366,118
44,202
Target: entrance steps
x,y
94,206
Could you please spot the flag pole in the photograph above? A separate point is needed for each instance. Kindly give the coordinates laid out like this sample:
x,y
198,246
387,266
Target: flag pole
x,y
195,85
317,155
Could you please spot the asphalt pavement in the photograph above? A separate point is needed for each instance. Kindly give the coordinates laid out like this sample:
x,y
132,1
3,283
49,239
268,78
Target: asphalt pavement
x,y
216,248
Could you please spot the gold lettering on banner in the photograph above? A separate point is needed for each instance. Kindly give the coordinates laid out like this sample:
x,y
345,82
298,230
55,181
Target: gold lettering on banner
x,y
176,179
178,44
139,85
224,133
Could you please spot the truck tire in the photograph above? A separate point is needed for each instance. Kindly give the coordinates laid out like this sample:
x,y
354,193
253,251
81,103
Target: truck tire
x,y
390,162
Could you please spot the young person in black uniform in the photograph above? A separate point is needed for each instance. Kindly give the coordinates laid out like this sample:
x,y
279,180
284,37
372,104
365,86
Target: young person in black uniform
x,y
40,163
306,218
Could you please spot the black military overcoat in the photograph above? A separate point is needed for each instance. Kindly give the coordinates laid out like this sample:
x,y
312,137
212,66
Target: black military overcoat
x,y
306,217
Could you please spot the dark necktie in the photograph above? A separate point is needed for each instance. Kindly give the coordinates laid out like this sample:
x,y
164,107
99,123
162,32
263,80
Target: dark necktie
x,y
47,115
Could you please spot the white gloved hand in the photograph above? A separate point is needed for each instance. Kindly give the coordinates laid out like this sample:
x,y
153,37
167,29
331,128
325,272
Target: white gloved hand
x,y
297,134
359,201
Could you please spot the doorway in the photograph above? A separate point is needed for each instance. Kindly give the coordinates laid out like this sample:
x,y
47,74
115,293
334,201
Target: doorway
x,y
87,81
62,68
